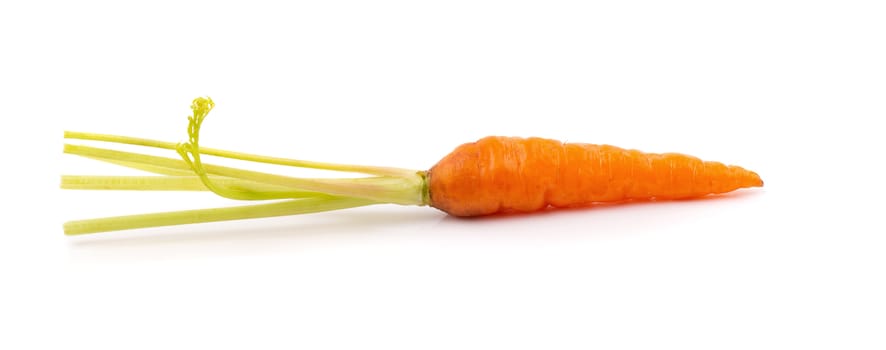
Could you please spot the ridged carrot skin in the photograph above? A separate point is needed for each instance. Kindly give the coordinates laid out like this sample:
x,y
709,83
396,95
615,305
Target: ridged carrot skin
x,y
510,174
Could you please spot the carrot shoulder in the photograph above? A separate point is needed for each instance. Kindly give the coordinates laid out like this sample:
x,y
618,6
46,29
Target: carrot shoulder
x,y
509,174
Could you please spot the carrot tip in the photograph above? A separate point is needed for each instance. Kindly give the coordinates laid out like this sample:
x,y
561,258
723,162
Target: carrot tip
x,y
755,180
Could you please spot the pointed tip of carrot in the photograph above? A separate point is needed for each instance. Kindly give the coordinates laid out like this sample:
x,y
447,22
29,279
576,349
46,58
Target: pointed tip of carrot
x,y
753,180
742,178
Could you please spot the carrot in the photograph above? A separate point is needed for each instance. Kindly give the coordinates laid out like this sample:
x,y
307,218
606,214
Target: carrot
x,y
509,174
492,175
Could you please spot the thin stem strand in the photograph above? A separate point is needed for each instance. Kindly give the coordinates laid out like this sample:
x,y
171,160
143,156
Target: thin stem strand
x,y
132,183
173,183
363,169
289,207
154,169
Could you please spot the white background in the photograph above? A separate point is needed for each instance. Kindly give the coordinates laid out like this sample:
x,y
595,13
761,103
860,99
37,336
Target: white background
x,y
790,89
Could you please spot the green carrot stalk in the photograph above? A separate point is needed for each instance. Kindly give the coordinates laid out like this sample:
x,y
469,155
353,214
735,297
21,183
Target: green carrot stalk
x,y
190,173
284,208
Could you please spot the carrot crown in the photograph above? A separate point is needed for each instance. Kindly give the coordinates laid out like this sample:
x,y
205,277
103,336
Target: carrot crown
x,y
288,195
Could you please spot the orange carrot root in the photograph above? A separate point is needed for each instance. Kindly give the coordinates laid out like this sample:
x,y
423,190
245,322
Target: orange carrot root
x,y
509,174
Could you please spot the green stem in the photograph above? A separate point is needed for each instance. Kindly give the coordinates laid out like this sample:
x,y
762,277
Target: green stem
x,y
155,169
363,169
133,183
173,183
289,207
397,190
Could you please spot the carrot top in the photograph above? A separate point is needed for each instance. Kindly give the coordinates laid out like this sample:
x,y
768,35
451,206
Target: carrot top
x,y
290,195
